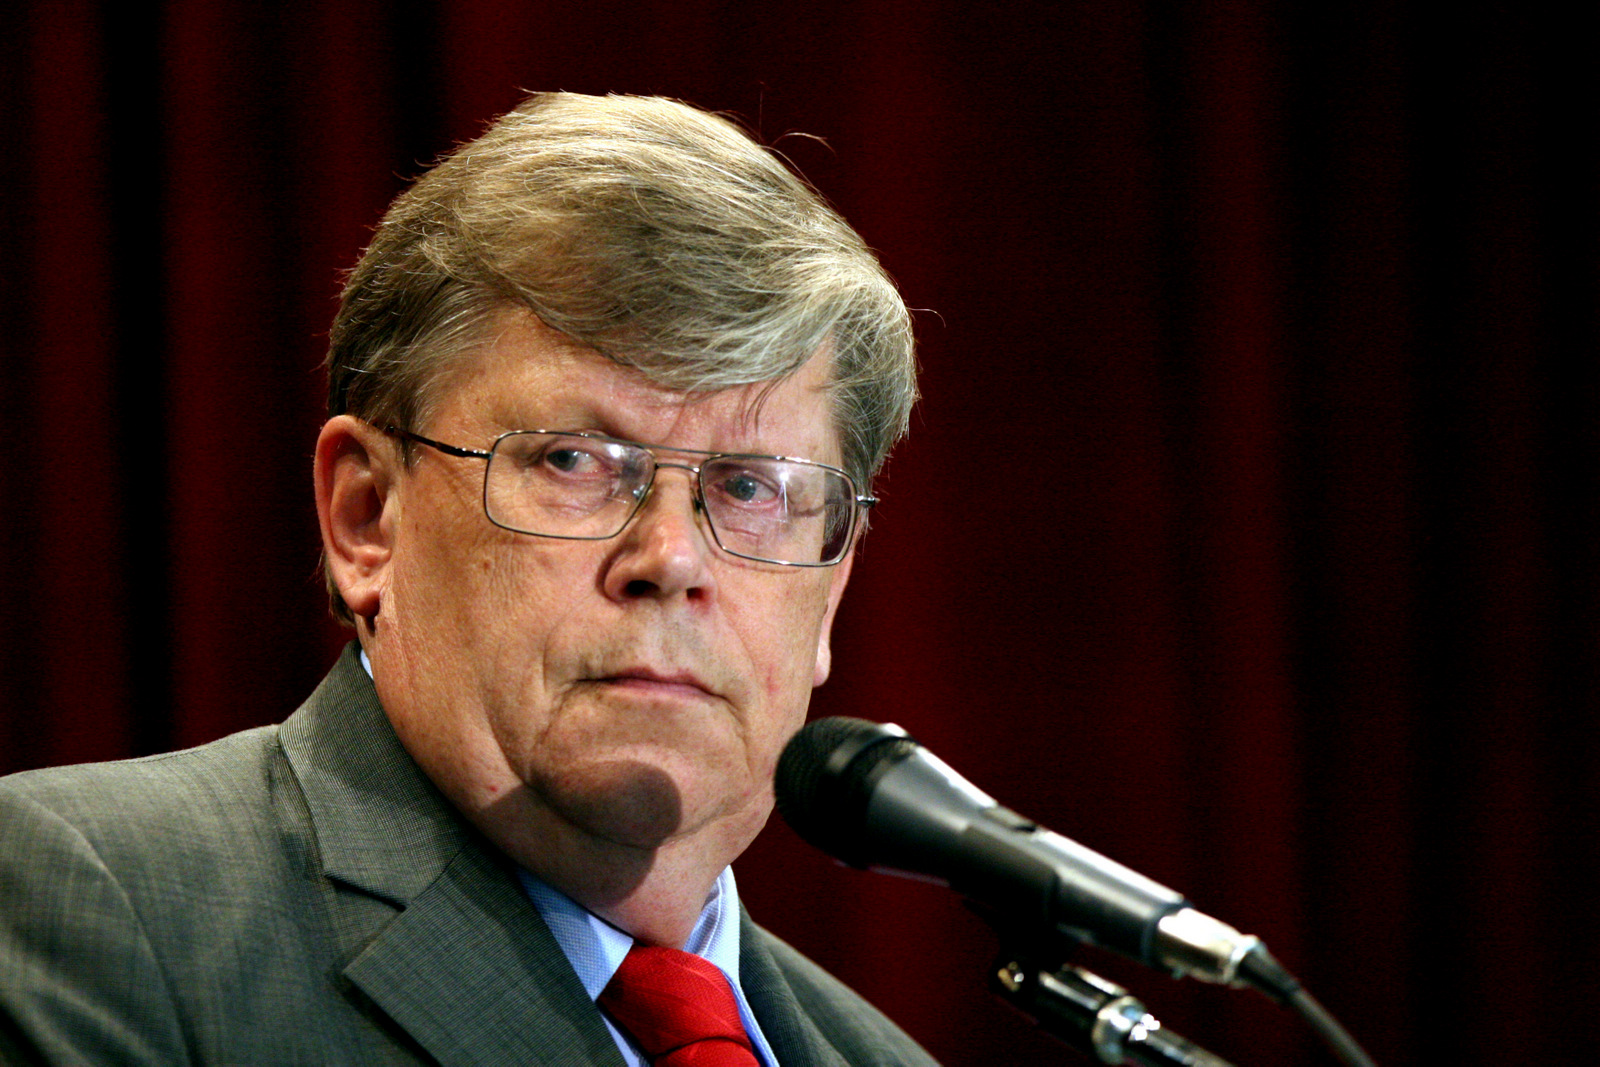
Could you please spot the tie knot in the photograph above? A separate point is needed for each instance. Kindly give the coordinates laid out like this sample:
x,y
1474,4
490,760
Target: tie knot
x,y
679,1008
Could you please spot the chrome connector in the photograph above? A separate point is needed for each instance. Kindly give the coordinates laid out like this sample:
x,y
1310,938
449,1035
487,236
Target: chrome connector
x,y
1119,1019
1193,943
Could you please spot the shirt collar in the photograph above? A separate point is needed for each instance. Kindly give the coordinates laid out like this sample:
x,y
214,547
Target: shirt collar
x,y
596,948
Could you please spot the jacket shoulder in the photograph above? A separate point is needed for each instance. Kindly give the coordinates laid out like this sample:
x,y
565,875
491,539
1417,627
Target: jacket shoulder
x,y
193,811
175,909
102,867
103,792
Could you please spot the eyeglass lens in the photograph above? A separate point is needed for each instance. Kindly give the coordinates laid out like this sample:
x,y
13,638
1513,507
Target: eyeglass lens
x,y
759,507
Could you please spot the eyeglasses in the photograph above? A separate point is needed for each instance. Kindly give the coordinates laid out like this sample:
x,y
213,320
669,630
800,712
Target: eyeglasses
x,y
586,487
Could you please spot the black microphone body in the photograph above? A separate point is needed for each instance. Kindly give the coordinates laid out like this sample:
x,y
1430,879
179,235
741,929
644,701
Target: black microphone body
x,y
871,796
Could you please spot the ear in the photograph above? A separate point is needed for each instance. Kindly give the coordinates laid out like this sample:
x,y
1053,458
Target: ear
x,y
357,505
840,578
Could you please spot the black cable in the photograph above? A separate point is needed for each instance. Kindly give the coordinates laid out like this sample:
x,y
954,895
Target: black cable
x,y
1268,975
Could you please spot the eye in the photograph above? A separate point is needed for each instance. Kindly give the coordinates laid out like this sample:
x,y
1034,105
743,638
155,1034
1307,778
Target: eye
x,y
569,460
577,458
744,487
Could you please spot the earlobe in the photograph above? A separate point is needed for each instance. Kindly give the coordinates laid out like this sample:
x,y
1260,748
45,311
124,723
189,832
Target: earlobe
x,y
841,577
356,509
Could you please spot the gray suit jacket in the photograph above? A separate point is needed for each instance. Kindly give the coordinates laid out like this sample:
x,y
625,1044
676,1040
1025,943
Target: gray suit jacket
x,y
303,894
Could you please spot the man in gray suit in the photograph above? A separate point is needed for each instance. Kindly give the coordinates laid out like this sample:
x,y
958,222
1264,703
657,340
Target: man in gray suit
x,y
607,394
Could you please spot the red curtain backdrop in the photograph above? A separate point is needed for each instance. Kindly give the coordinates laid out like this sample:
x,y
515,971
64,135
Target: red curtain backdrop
x,y
1247,528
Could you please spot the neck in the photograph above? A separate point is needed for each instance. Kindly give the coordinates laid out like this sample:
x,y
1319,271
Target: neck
x,y
655,895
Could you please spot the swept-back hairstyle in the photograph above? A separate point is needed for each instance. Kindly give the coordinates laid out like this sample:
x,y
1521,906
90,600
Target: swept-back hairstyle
x,y
658,234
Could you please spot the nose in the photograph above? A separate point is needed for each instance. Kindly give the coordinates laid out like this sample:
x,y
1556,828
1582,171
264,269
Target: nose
x,y
666,550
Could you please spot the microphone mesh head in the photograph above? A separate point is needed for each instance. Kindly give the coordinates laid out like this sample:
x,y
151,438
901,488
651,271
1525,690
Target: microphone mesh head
x,y
823,787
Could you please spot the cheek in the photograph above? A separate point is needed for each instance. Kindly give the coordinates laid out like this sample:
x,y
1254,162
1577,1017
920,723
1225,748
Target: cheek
x,y
514,608
473,572
783,628
462,599
443,581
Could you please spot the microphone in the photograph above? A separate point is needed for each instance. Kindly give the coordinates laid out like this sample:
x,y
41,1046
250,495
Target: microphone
x,y
871,796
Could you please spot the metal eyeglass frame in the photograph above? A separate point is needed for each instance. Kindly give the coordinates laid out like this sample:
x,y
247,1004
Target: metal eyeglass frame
x,y
862,502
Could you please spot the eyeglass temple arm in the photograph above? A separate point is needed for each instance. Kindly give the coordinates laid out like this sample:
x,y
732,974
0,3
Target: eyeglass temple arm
x,y
449,450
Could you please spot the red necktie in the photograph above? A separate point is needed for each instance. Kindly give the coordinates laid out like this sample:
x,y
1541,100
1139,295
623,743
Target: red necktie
x,y
679,1008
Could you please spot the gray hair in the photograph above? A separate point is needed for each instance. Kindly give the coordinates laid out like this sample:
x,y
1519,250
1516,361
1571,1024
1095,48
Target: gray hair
x,y
658,234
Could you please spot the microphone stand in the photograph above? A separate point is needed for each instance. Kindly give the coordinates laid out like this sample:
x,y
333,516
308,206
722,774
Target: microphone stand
x,y
1094,1016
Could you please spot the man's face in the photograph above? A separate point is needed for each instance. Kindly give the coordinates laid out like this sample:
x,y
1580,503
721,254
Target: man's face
x,y
642,687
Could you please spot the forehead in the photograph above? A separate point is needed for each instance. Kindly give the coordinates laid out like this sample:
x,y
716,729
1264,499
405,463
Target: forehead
x,y
529,376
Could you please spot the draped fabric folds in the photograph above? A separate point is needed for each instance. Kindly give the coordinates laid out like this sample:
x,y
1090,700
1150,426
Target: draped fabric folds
x,y
1246,531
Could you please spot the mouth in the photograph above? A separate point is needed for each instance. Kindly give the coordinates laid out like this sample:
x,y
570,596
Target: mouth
x,y
645,681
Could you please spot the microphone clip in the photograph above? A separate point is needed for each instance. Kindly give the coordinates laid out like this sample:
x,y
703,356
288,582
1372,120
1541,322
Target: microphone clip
x,y
1096,1017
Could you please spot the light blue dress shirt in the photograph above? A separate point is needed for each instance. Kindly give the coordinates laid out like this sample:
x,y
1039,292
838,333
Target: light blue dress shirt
x,y
595,949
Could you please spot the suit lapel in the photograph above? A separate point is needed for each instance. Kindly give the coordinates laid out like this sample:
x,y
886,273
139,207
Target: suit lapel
x,y
467,967
471,972
788,1029
381,825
